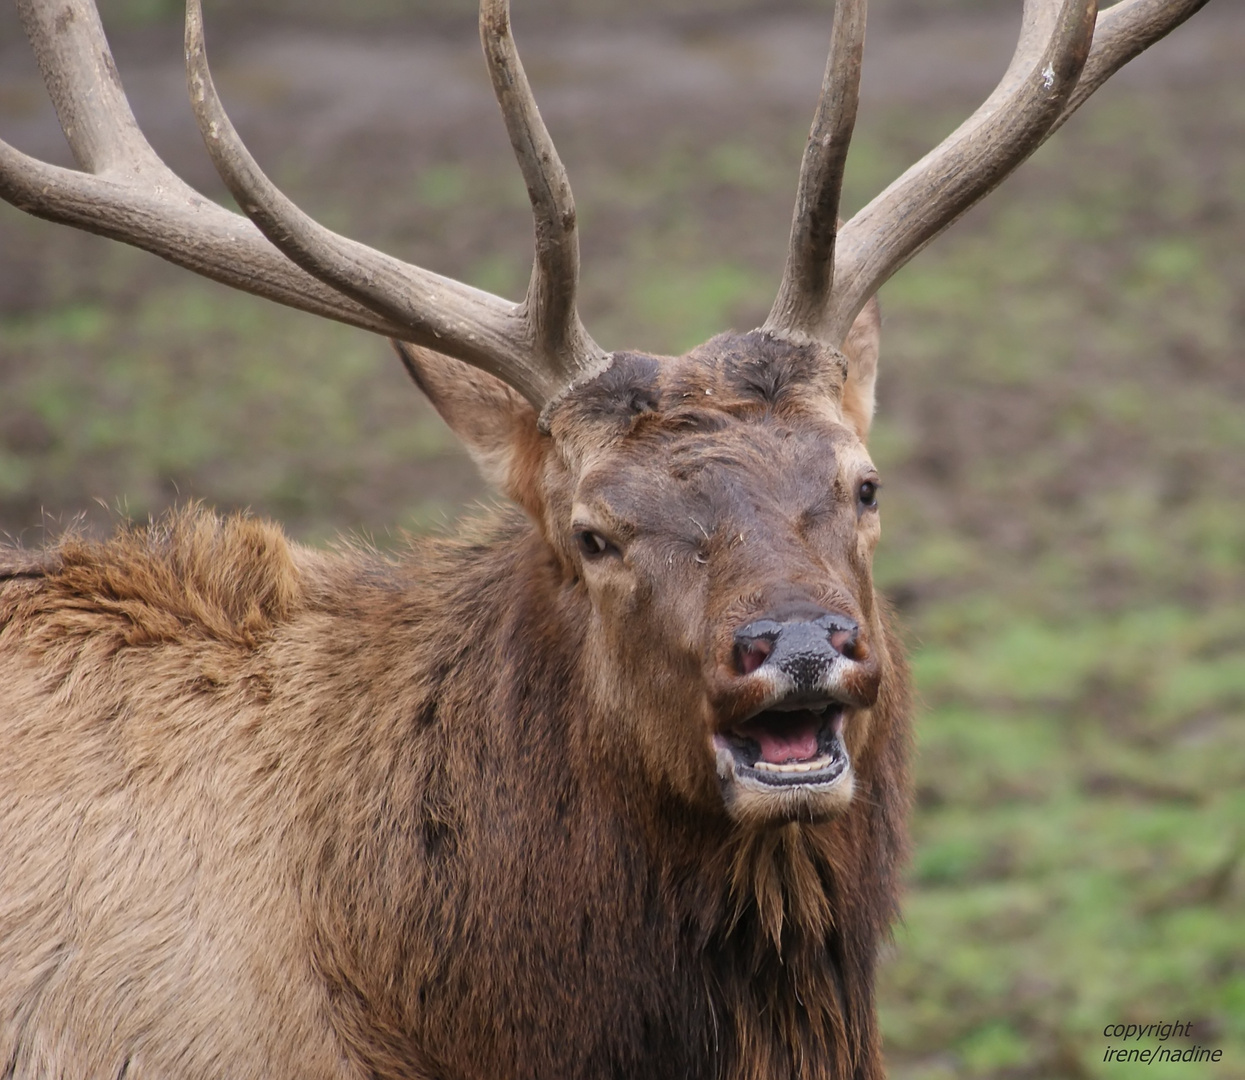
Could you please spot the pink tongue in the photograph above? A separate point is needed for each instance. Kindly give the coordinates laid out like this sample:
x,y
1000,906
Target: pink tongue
x,y
782,748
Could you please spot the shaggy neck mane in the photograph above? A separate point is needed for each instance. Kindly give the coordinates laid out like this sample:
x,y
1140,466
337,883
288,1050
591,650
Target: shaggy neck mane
x,y
786,946
781,924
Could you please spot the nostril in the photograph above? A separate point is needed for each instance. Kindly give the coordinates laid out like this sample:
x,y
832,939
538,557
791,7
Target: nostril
x,y
845,641
750,655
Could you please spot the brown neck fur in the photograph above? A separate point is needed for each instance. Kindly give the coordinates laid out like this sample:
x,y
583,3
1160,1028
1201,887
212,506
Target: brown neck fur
x,y
514,849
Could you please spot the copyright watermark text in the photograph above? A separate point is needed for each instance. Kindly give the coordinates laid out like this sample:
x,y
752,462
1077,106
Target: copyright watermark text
x,y
1151,1055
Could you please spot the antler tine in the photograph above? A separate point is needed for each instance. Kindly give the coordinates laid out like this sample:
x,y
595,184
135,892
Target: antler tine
x,y
127,193
1052,50
1123,31
550,302
1053,71
84,87
808,276
540,356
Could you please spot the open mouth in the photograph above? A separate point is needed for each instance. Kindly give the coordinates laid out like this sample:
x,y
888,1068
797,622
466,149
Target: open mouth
x,y
788,745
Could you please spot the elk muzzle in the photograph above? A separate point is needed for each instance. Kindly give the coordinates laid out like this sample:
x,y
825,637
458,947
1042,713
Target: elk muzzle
x,y
798,676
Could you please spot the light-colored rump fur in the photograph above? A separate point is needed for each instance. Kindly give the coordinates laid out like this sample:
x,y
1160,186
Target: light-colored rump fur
x,y
141,848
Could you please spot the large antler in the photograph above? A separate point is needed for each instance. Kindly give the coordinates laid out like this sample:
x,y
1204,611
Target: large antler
x,y
832,271
126,192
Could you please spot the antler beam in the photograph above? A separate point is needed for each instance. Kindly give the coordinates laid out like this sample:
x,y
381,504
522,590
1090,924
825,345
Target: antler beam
x,y
1053,70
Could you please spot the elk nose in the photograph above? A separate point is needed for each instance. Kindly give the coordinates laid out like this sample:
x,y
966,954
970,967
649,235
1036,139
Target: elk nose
x,y
802,646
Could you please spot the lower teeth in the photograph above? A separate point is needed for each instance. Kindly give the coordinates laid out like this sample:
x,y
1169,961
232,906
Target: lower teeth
x,y
795,766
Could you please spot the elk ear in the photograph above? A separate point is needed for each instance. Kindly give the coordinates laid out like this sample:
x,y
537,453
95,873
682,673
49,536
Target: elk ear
x,y
861,350
495,423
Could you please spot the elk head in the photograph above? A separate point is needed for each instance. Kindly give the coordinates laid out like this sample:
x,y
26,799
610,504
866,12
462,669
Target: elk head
x,y
712,516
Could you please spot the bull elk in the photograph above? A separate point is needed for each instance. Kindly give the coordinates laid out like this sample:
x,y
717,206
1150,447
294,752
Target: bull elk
x,y
610,784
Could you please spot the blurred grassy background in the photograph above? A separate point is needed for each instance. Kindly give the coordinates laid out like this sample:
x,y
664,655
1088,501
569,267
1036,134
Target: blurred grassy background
x,y
1061,426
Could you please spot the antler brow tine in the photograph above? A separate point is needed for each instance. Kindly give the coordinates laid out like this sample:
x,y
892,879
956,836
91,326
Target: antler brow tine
x,y
831,274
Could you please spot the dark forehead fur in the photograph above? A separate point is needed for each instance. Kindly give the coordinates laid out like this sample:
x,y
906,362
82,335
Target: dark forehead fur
x,y
740,374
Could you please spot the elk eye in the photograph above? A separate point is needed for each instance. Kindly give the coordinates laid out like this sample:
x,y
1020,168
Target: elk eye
x,y
867,494
592,545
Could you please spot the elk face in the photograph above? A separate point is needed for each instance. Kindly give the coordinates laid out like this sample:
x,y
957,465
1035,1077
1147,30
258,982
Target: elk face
x,y
716,516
